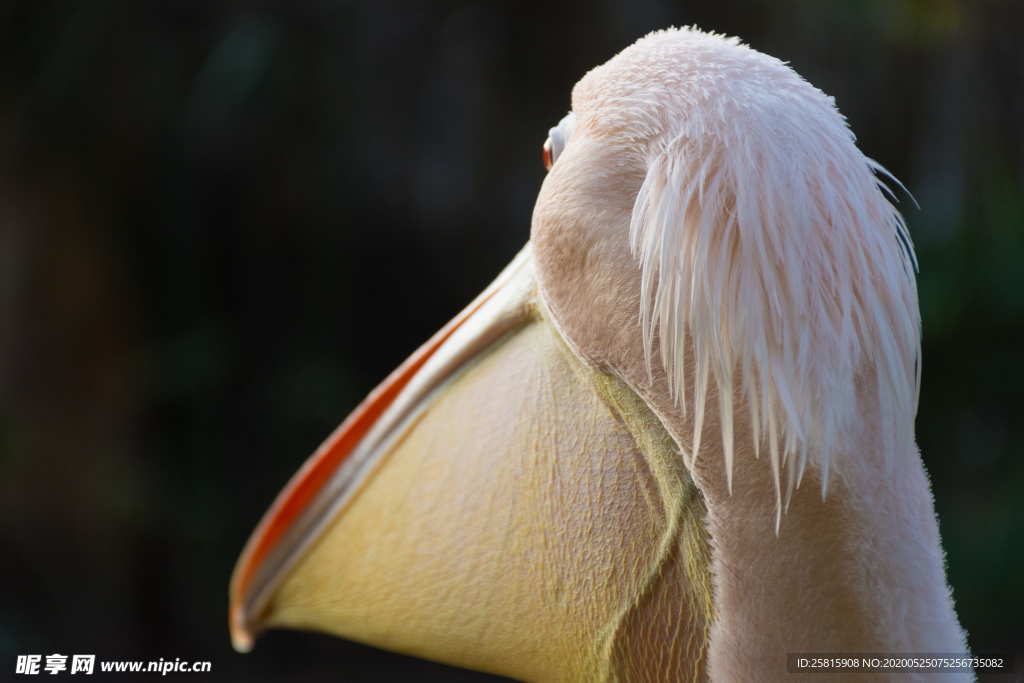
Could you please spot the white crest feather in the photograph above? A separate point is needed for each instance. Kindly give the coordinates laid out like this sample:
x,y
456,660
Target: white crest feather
x,y
771,257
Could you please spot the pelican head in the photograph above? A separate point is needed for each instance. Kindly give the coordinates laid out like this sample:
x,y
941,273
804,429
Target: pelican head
x,y
674,439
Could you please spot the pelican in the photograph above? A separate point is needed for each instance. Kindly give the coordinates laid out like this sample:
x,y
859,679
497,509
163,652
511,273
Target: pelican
x,y
674,439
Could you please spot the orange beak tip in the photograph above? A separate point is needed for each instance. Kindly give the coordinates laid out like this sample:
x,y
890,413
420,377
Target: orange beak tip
x,y
241,638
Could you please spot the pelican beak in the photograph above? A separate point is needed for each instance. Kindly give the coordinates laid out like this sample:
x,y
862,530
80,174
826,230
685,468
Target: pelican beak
x,y
331,478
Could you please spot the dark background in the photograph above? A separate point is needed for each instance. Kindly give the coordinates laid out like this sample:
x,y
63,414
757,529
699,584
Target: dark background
x,y
222,222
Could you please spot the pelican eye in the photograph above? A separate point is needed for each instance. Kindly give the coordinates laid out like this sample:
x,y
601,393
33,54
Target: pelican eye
x,y
558,138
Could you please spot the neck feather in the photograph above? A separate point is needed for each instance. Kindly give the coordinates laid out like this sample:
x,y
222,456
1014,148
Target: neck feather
x,y
859,570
